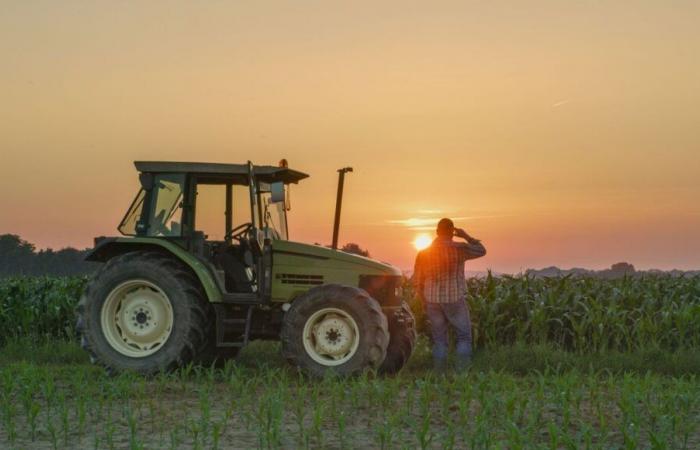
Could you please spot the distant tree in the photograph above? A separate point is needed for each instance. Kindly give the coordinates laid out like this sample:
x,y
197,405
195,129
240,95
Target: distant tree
x,y
64,262
19,257
16,255
353,248
618,270
622,268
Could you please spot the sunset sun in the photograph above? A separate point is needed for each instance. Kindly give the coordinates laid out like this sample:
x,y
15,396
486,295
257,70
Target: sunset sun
x,y
422,241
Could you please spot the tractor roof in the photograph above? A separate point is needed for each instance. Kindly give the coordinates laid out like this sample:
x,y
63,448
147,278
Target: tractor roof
x,y
267,174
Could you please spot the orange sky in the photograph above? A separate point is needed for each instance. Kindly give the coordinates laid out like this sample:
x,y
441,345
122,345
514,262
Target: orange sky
x,y
561,133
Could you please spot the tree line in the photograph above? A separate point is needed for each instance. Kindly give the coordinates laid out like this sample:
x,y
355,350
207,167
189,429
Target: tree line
x,y
21,258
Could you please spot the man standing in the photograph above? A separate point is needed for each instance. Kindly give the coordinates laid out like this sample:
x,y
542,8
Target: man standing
x,y
440,283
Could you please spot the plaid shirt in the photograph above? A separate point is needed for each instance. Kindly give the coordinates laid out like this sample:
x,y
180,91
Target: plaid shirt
x,y
439,270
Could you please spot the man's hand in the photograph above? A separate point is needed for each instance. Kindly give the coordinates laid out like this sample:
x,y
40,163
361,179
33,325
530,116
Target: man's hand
x,y
459,232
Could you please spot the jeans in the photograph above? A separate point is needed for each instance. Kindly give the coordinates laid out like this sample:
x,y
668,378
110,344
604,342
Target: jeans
x,y
440,316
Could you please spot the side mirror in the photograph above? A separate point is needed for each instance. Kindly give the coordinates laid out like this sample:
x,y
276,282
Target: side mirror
x,y
277,192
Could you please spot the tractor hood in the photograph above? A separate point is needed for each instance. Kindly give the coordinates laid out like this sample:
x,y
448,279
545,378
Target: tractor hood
x,y
329,257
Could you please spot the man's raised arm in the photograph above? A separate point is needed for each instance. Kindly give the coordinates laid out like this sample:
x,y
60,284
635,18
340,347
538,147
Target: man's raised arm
x,y
473,248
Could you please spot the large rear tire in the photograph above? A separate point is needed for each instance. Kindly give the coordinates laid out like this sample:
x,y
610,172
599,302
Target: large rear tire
x,y
334,328
143,312
402,328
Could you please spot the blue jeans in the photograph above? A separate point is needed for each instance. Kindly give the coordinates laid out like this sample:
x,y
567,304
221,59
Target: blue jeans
x,y
440,316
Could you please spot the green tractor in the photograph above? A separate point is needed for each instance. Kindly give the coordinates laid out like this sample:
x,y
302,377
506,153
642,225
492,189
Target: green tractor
x,y
168,294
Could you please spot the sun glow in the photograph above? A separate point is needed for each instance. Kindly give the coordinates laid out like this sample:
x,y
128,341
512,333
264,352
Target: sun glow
x,y
422,241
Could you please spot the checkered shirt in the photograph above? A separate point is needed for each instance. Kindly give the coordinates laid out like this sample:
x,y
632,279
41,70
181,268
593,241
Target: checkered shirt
x,y
439,270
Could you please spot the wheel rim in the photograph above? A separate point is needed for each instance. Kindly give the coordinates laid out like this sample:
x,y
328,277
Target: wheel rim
x,y
331,336
137,318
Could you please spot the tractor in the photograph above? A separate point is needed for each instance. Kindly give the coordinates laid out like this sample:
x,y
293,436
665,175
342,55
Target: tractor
x,y
168,294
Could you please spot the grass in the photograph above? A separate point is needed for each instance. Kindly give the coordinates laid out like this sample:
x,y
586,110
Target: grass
x,y
526,360
517,359
51,397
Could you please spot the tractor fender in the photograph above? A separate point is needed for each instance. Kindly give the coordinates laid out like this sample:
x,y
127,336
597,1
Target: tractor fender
x,y
107,248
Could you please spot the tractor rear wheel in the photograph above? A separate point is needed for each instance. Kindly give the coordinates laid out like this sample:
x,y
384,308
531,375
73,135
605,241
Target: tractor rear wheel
x,y
143,311
334,328
402,328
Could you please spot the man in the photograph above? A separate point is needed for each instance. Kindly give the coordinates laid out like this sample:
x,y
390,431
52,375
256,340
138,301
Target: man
x,y
439,280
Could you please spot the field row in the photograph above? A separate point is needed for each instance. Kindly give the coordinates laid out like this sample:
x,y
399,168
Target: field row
x,y
576,314
78,406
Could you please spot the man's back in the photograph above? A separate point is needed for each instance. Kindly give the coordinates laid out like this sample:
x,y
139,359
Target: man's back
x,y
439,269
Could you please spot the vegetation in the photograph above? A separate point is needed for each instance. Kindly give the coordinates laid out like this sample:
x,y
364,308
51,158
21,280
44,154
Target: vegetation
x,y
355,249
39,308
583,314
19,257
260,402
559,363
587,315
575,314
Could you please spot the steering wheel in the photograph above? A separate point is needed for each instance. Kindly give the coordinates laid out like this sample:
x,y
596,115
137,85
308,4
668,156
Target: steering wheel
x,y
240,231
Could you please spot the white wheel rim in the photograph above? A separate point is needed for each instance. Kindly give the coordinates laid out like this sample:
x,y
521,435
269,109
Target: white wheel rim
x,y
331,336
137,318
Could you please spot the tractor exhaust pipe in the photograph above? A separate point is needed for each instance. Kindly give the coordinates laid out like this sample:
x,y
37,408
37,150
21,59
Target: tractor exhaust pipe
x,y
339,204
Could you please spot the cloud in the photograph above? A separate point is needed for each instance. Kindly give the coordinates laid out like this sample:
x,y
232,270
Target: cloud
x,y
421,223
414,222
560,103
429,223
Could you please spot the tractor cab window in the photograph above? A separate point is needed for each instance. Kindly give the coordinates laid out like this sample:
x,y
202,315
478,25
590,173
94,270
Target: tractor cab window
x,y
166,212
130,223
210,210
241,205
274,214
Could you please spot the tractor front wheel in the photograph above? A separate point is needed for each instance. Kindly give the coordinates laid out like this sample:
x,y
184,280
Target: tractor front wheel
x,y
334,328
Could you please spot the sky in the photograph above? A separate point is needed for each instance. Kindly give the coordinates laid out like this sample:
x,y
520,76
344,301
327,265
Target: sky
x,y
560,133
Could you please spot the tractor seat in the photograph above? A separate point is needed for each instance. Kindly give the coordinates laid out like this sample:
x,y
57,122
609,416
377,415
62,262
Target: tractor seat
x,y
237,263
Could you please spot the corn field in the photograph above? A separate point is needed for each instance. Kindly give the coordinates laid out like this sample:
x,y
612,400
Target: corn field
x,y
39,307
583,314
575,314
236,407
587,314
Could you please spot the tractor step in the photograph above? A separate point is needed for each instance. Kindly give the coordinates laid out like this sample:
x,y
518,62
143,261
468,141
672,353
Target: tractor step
x,y
226,324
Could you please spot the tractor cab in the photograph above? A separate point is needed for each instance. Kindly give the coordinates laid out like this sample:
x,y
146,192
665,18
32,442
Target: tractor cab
x,y
225,214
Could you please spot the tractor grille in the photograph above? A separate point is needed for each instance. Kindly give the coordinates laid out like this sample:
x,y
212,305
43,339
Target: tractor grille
x,y
295,278
382,288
